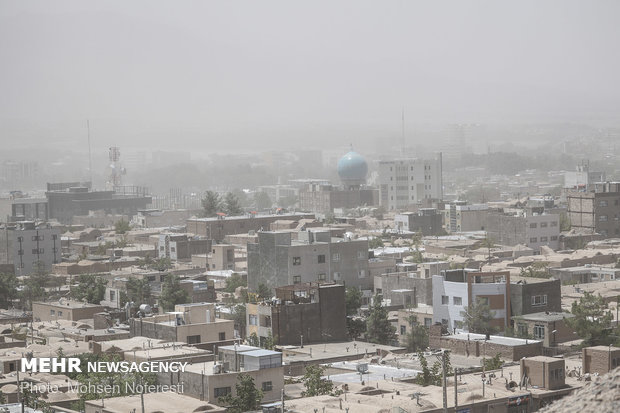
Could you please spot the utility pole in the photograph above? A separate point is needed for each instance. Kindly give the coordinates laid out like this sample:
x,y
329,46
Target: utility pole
x,y
445,389
456,392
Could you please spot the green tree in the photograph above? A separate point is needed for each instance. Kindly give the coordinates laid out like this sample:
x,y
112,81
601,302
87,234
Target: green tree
x,y
162,264
376,242
378,328
122,226
493,363
565,224
262,200
477,318
238,313
434,375
34,289
90,288
592,320
136,291
353,300
8,289
417,339
355,327
264,292
103,248
314,383
242,197
211,204
269,342
253,340
235,280
172,293
232,206
248,397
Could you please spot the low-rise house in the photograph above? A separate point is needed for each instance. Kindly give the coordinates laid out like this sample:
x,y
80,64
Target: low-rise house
x,y
550,327
64,310
302,313
600,359
190,323
544,372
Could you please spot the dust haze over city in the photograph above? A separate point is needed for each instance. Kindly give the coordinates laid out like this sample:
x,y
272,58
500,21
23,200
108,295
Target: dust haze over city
x,y
406,180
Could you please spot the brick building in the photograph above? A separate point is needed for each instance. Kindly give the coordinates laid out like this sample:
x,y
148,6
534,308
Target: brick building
x,y
302,313
544,372
64,310
600,359
596,210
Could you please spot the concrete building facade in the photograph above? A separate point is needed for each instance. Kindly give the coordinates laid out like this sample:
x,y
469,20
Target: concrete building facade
x,y
34,248
597,210
278,260
406,182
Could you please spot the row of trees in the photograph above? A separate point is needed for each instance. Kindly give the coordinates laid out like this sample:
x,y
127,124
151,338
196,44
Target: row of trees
x,y
233,202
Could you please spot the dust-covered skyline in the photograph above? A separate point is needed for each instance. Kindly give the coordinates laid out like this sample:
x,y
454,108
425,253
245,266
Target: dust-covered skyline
x,y
245,75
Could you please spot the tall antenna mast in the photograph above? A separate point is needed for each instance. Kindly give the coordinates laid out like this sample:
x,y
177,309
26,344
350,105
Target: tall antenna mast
x,y
90,159
402,148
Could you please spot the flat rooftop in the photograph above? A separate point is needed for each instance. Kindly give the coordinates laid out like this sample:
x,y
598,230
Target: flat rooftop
x,y
168,402
544,316
501,340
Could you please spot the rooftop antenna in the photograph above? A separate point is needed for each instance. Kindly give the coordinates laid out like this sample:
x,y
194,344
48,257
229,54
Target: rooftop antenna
x,y
402,148
90,159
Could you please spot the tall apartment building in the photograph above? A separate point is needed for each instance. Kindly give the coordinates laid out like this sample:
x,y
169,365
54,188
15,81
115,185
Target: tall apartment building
x,y
277,260
29,248
460,217
405,182
597,210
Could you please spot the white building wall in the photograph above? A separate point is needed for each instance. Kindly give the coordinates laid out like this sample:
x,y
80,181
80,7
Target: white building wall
x,y
450,311
405,182
546,231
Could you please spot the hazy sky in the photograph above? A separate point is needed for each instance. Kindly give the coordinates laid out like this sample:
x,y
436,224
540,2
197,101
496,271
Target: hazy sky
x,y
226,73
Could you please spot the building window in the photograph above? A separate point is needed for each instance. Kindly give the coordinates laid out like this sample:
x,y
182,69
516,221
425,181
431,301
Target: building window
x,y
602,218
361,255
428,322
543,225
193,339
543,239
322,277
112,295
59,313
253,320
20,239
321,259
296,260
483,300
52,312
221,391
522,330
336,276
533,225
554,238
603,203
362,274
457,300
445,300
336,257
222,336
297,279
533,239
554,223
539,300
403,330
267,386
539,331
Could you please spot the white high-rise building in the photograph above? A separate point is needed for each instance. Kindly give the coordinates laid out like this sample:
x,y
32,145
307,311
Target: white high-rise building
x,y
405,182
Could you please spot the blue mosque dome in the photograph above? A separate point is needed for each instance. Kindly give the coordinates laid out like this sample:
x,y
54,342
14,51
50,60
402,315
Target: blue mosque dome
x,y
352,168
